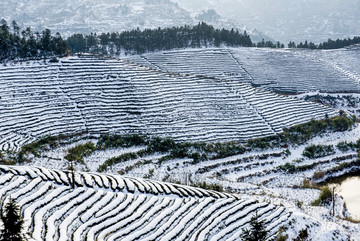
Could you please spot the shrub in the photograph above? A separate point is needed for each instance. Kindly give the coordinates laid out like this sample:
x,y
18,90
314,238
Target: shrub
x,y
288,168
260,143
281,236
346,146
212,186
228,149
42,144
122,158
299,204
344,165
316,151
343,146
179,151
78,152
36,146
319,174
307,183
151,173
160,145
198,158
324,198
340,123
114,141
303,235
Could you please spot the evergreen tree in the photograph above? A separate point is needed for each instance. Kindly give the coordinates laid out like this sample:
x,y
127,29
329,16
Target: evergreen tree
x,y
12,222
256,231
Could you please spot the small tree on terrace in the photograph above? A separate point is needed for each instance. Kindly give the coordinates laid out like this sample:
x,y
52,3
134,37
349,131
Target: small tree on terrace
x,y
12,222
256,231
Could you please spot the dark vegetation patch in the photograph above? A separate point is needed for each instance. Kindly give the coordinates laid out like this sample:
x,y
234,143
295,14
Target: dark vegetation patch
x,y
197,152
316,151
334,101
44,144
324,198
292,168
78,152
211,186
345,146
302,133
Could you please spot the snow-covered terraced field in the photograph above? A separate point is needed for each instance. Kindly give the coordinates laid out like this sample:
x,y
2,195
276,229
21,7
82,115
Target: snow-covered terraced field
x,y
110,207
345,61
100,95
282,70
243,173
218,63
298,71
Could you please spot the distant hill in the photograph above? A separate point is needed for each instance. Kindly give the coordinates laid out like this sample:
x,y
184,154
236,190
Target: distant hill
x,y
106,16
284,20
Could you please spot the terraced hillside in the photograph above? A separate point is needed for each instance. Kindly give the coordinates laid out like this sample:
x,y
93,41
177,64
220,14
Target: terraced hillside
x,y
110,207
280,70
98,95
247,172
217,63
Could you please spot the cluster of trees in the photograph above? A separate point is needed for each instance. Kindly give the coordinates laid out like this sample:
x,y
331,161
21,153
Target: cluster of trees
x,y
15,43
148,40
26,44
269,44
330,44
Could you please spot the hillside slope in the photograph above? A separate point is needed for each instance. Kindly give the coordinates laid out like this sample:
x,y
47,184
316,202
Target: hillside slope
x,y
92,16
281,70
100,95
312,20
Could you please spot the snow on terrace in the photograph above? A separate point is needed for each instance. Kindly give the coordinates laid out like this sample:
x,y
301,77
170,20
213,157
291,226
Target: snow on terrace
x,y
110,207
282,70
102,95
299,71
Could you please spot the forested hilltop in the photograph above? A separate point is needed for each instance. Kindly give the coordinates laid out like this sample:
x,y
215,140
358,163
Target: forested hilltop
x,y
26,44
149,40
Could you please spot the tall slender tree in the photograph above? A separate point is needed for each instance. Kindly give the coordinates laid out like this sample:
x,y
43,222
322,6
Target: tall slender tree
x,y
257,230
12,222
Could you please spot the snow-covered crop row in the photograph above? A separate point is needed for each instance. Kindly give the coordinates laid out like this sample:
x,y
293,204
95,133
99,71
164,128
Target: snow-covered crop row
x,y
112,182
99,95
286,71
52,210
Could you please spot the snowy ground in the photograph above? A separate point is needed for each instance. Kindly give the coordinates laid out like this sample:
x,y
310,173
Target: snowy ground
x,y
257,178
190,106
